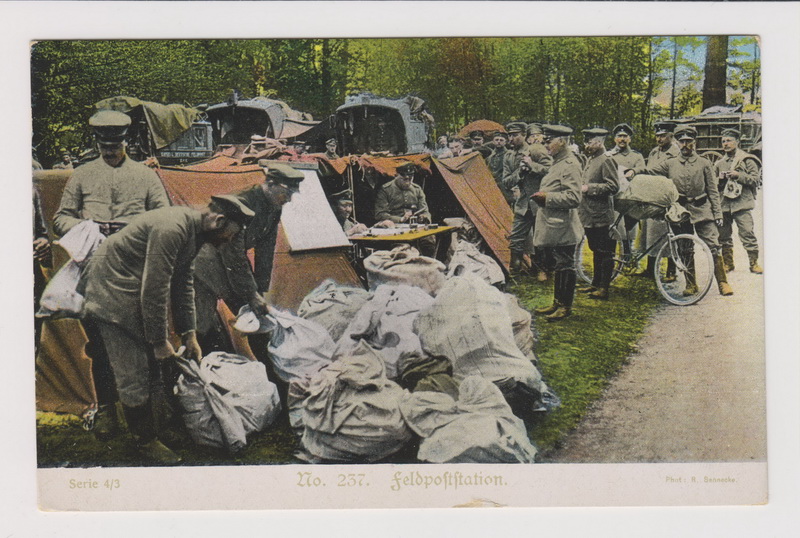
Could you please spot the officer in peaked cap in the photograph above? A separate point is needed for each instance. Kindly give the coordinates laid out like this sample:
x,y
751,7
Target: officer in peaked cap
x,y
653,230
400,199
698,192
342,204
110,126
524,166
534,133
330,149
558,228
739,179
226,273
626,158
110,190
476,137
600,184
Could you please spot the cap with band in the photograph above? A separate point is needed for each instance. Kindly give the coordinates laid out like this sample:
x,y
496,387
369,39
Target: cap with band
x,y
110,126
233,208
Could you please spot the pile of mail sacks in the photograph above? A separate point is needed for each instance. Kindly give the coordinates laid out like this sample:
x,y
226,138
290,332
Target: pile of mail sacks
x,y
447,364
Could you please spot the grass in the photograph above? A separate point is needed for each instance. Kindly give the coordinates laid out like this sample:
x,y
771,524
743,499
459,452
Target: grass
x,y
577,357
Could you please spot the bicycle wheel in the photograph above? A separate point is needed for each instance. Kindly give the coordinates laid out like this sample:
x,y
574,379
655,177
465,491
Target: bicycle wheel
x,y
684,269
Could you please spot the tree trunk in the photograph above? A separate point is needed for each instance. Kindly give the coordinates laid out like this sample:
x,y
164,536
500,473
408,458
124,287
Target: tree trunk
x,y
716,71
674,78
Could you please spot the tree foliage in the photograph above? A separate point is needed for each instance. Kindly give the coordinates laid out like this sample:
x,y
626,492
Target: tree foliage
x,y
582,82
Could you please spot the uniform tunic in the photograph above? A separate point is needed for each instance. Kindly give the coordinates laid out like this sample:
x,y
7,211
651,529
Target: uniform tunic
x,y
495,163
392,201
597,205
528,182
97,191
627,158
557,223
136,273
739,209
226,273
654,230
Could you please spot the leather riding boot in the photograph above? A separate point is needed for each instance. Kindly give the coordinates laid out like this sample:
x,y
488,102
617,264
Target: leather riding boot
x,y
691,279
565,294
649,271
106,423
142,428
754,267
556,297
719,274
727,258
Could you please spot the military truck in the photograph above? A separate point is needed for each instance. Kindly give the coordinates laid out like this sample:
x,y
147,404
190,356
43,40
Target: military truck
x,y
174,134
711,122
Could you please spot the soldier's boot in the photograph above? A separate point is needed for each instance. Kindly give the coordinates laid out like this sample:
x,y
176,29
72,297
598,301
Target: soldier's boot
x,y
516,263
600,293
754,267
106,423
691,280
565,294
545,310
142,428
670,276
722,280
649,271
727,258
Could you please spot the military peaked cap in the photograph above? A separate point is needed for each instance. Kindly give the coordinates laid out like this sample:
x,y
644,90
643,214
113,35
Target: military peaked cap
x,y
555,131
664,127
623,128
284,174
686,132
330,141
110,126
516,127
475,134
406,167
594,131
733,133
534,128
343,196
233,208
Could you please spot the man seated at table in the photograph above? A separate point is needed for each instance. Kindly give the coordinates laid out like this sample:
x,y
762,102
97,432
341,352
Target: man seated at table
x,y
400,200
342,204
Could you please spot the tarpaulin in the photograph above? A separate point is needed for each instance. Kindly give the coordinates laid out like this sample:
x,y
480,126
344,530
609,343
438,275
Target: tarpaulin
x,y
471,181
64,371
166,122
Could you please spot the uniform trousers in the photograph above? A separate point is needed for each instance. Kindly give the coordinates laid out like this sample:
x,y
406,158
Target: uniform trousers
x,y
521,229
744,223
602,246
136,370
706,230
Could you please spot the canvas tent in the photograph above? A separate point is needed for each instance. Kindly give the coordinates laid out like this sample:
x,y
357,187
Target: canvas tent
x,y
310,248
455,187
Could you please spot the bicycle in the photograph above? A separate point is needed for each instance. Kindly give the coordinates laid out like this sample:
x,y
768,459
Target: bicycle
x,y
681,261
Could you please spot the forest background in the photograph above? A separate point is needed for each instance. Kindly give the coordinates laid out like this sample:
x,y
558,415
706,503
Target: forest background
x,y
579,81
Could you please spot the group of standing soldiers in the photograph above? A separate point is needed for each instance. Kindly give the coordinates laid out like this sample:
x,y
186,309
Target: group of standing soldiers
x,y
560,196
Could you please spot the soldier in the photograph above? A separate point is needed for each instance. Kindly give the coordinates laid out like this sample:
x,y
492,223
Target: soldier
x,y
225,273
110,190
478,141
524,167
330,149
600,184
626,158
558,227
131,282
342,204
42,258
455,148
66,160
495,163
739,179
401,199
652,229
696,182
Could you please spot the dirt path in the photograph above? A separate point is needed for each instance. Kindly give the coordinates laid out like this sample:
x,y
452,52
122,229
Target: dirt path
x,y
693,392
